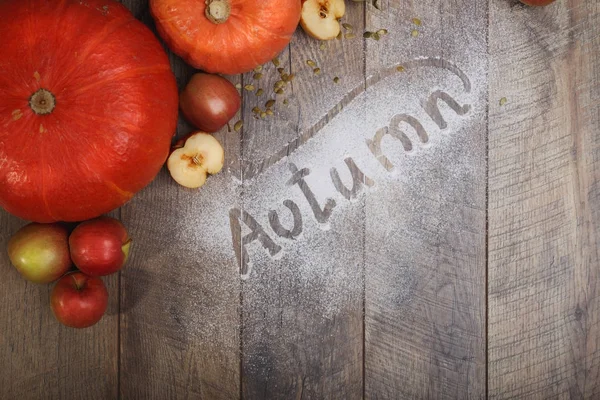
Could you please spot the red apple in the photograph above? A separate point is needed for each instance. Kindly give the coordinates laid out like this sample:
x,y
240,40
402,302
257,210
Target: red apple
x,y
78,300
537,2
40,252
100,246
209,101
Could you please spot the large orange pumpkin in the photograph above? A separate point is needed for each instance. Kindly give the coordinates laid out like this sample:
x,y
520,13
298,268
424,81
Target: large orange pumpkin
x,y
88,108
226,36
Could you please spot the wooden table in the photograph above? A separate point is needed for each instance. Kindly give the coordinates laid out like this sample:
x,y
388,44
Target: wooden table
x,y
429,231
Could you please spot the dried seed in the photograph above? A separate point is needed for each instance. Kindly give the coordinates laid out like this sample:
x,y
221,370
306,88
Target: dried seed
x,y
367,35
270,103
238,125
400,68
311,63
376,36
382,32
286,102
238,85
288,78
322,46
349,35
279,91
416,21
376,4
503,101
256,110
270,112
275,62
414,33
257,76
339,36
249,88
317,71
280,70
259,92
279,85
336,80
258,69
347,26
263,114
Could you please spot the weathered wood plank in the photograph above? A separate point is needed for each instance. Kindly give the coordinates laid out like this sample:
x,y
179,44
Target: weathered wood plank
x,y
544,201
42,359
180,312
302,296
425,244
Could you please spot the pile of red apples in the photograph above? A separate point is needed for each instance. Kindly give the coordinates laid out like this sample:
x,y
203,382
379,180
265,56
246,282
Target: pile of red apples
x,y
44,253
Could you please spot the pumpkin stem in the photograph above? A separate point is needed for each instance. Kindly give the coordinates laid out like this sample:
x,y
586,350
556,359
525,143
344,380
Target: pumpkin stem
x,y
42,102
217,11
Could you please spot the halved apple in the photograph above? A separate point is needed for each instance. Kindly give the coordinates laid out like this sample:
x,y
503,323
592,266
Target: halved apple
x,y
319,18
191,162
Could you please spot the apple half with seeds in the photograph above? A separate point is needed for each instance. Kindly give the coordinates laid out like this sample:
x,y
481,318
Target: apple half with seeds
x,y
319,18
194,158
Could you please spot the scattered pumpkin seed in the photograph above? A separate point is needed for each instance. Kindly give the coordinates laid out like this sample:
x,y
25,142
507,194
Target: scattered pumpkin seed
x,y
270,103
382,32
322,46
257,76
285,101
414,33
288,78
279,91
275,62
280,70
279,85
339,36
270,112
416,21
249,88
400,68
259,92
350,35
311,63
317,71
367,35
238,85
376,4
336,80
263,114
376,36
503,101
258,69
347,26
238,125
256,110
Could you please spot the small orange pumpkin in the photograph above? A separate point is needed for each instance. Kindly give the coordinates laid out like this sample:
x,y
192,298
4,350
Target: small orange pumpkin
x,y
226,36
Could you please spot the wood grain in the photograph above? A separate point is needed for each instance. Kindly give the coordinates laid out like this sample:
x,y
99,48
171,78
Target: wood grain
x,y
544,331
40,357
180,312
302,330
425,244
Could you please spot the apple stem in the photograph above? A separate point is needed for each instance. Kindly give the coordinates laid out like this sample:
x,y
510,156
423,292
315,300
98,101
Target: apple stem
x,y
217,11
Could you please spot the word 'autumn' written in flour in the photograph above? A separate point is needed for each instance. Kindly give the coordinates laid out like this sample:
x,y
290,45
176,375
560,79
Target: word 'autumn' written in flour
x,y
268,239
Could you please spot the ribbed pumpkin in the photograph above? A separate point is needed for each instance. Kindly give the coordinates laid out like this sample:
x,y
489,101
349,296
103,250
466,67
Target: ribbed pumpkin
x,y
88,108
226,36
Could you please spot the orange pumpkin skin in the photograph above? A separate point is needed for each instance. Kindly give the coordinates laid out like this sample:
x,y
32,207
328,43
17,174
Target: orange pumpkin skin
x,y
88,108
254,32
